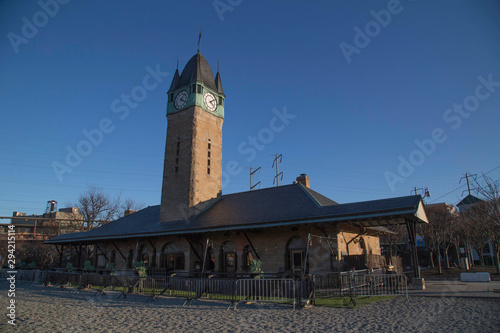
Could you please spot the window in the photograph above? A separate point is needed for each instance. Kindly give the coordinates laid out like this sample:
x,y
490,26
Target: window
x,y
208,156
228,257
200,89
172,256
247,258
193,88
143,255
171,97
220,101
174,261
177,155
101,261
130,259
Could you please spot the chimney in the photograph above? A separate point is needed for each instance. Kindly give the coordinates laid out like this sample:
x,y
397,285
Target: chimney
x,y
304,180
129,211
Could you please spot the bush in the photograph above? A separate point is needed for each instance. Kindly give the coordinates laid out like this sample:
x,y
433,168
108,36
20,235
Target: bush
x,y
140,269
87,266
69,267
256,268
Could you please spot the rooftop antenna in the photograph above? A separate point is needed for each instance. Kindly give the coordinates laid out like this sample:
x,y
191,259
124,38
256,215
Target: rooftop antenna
x,y
277,160
468,182
252,173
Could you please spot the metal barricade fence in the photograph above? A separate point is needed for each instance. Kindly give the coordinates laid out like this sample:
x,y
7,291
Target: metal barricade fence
x,y
351,285
306,289
380,285
266,290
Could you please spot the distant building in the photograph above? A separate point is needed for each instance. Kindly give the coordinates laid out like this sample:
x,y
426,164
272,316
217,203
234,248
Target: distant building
x,y
47,225
292,229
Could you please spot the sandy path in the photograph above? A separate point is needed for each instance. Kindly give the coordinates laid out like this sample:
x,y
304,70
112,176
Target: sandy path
x,y
54,310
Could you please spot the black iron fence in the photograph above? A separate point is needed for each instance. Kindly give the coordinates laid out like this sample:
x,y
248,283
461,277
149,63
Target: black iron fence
x,y
300,291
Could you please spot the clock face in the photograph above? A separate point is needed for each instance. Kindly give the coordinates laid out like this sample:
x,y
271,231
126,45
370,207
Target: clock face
x,y
210,101
181,99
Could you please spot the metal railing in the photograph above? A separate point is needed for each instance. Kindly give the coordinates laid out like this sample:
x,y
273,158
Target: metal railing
x,y
276,290
265,290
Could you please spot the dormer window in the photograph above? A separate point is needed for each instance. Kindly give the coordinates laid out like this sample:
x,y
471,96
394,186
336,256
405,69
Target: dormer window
x,y
221,100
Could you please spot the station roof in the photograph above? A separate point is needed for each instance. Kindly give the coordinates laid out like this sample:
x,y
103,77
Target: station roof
x,y
286,205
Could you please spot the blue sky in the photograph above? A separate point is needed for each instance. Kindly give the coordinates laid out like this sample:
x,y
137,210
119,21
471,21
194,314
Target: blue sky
x,y
361,100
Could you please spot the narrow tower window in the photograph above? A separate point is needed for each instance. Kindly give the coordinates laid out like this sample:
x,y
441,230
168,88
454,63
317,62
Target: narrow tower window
x,y
177,155
208,156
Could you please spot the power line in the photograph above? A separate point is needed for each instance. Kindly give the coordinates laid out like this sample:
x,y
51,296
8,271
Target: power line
x,y
498,167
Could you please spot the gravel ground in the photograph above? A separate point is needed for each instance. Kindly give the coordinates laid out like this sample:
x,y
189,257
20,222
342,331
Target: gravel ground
x,y
53,310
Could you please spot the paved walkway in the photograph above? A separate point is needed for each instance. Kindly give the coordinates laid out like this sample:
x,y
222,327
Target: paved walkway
x,y
447,288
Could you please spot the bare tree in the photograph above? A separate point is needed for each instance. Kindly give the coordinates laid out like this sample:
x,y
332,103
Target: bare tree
x,y
437,232
465,230
487,214
97,208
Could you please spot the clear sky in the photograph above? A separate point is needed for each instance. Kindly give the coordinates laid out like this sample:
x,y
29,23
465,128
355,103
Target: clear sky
x,y
381,96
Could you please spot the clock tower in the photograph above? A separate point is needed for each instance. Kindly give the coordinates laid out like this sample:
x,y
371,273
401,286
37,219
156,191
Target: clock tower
x,y
192,172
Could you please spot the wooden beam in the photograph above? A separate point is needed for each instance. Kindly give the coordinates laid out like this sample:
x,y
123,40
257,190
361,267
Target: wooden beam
x,y
193,248
251,245
149,241
102,252
120,252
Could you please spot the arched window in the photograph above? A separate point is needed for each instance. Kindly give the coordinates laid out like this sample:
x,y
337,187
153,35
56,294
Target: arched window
x,y
130,259
210,260
172,256
229,257
143,255
248,257
295,252
112,259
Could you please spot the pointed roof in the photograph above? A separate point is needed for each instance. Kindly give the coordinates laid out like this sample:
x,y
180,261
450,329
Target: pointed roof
x,y
197,69
175,80
218,83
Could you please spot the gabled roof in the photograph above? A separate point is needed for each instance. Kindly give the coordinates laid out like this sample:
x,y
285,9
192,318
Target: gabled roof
x,y
468,200
271,207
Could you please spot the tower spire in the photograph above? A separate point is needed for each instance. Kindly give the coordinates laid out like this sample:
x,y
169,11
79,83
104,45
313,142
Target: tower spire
x,y
199,40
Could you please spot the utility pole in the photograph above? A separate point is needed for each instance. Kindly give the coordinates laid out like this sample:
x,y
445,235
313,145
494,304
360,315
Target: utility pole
x,y
252,172
425,192
468,182
277,160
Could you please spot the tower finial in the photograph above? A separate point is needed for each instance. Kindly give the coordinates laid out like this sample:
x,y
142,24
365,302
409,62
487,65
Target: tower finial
x,y
177,62
217,65
199,40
